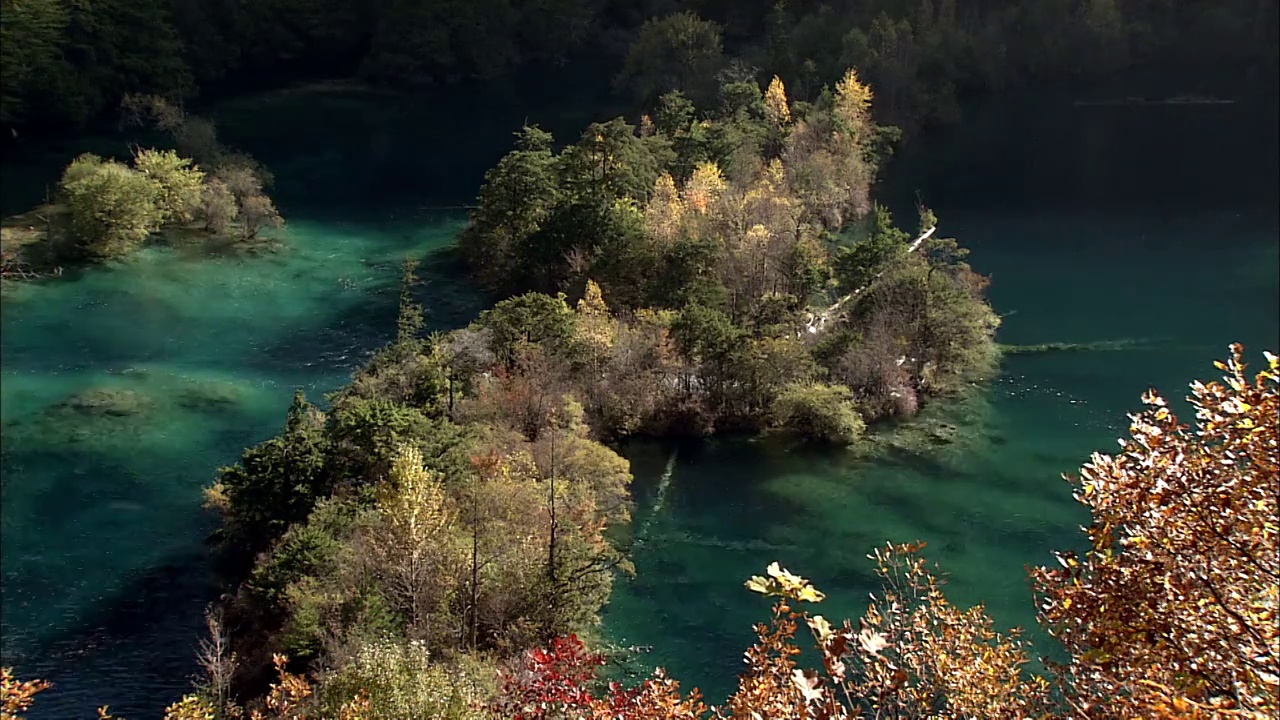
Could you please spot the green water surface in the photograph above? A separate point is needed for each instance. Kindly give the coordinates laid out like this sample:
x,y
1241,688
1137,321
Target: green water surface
x,y
1158,228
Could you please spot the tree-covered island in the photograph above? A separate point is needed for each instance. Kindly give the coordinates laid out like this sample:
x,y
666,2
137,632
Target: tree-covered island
x,y
104,208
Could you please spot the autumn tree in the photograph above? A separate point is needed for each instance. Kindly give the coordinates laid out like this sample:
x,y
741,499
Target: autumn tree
x,y
16,696
704,189
1171,611
594,326
113,208
831,155
777,113
635,381
503,540
664,212
585,486
409,548
777,109
912,655
555,681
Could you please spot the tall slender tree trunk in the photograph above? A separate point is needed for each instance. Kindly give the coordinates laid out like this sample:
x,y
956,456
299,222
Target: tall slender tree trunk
x,y
551,544
475,577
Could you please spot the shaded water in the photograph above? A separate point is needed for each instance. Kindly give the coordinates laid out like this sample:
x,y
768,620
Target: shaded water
x,y
1099,227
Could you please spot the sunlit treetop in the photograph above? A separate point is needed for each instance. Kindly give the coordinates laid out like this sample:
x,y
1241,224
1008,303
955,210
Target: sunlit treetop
x,y
775,102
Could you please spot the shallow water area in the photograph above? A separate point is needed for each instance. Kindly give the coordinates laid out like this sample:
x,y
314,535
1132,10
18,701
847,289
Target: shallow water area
x,y
124,389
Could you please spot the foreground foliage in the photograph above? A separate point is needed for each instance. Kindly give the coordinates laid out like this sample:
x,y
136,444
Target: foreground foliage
x,y
16,696
1173,607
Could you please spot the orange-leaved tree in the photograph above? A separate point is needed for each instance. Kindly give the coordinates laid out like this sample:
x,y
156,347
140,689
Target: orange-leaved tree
x,y
1171,612
913,655
16,696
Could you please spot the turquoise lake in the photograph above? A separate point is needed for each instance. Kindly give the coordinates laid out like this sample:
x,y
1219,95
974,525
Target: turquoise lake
x,y
1155,226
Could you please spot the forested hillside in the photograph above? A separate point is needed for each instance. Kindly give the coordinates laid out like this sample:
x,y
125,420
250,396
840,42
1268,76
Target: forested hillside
x,y
68,63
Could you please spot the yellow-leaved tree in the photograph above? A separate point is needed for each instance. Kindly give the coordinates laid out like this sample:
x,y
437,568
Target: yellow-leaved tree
x,y
409,548
853,102
595,327
775,103
913,655
664,210
1172,611
704,187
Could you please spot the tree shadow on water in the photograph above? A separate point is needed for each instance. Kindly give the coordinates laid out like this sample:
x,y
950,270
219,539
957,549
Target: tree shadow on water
x,y
134,651
340,342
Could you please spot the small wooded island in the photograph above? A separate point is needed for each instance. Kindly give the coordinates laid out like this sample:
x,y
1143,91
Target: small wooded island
x,y
104,208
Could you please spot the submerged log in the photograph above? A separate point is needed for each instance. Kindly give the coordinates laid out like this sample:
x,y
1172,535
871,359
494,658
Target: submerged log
x,y
1058,347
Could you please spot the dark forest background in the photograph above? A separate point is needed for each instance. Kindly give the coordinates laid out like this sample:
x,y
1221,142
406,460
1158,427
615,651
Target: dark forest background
x,y
67,63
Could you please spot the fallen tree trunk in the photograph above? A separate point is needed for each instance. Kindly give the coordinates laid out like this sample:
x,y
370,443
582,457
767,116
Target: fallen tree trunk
x,y
818,322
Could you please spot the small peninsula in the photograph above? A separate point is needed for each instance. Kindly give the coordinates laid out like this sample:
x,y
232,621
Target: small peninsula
x,y
658,278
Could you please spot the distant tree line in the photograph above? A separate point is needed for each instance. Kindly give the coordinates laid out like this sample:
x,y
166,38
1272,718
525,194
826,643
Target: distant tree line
x,y
67,63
